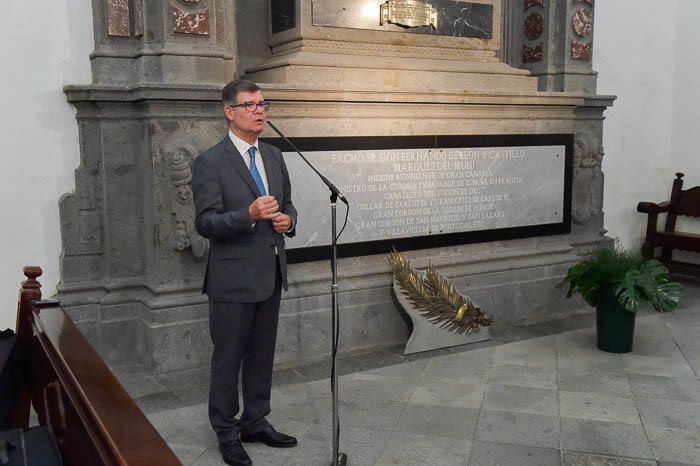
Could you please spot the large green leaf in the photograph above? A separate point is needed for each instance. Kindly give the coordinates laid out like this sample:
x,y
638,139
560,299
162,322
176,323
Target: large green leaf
x,y
635,281
626,291
668,297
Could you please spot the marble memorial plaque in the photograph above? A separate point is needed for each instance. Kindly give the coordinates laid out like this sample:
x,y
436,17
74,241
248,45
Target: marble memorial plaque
x,y
452,17
404,193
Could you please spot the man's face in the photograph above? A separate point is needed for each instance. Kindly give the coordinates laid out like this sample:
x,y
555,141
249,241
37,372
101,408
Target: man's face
x,y
244,123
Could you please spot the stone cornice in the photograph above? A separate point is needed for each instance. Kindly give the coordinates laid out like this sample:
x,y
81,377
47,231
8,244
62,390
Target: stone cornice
x,y
281,92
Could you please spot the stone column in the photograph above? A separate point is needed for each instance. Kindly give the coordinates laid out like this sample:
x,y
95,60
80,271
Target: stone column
x,y
163,41
129,247
554,40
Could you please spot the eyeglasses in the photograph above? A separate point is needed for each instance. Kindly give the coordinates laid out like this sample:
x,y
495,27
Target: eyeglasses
x,y
253,106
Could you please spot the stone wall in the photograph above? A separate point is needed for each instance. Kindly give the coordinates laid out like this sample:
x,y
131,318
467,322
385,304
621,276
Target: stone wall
x,y
132,264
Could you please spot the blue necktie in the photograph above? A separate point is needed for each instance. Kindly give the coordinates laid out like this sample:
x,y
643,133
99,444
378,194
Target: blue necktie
x,y
255,173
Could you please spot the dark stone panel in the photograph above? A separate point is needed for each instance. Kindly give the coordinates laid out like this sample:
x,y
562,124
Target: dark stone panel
x,y
283,15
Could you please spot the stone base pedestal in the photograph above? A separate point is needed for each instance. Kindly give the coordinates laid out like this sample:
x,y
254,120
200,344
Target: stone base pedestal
x,y
426,336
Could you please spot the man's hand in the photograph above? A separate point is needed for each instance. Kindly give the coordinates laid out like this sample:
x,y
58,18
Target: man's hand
x,y
263,208
282,223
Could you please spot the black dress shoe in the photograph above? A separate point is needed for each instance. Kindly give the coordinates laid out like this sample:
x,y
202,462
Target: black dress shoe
x,y
234,454
270,437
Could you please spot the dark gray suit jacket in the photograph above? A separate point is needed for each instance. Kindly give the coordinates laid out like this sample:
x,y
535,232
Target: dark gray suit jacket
x,y
242,261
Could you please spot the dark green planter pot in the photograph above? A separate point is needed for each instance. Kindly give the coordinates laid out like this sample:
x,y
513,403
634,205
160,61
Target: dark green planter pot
x,y
614,323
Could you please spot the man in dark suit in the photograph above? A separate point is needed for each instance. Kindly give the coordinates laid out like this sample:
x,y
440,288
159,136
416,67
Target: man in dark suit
x,y
243,202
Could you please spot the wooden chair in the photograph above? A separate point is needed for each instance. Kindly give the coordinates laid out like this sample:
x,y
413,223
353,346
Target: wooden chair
x,y
682,203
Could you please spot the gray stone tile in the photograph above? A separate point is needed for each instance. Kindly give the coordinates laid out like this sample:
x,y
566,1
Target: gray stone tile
x,y
409,370
682,317
309,402
685,337
598,407
502,454
656,347
538,352
667,463
571,458
139,384
523,376
368,388
669,413
362,445
212,457
410,449
307,390
605,438
652,365
650,327
675,445
187,454
466,366
581,354
318,413
673,388
594,382
308,462
158,402
185,426
521,399
442,421
449,393
518,428
364,414
576,340
590,362
577,351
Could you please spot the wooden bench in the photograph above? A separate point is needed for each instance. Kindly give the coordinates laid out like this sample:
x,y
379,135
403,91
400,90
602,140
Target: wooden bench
x,y
682,203
91,417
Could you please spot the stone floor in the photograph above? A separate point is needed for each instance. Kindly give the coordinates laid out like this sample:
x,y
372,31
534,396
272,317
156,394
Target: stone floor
x,y
534,395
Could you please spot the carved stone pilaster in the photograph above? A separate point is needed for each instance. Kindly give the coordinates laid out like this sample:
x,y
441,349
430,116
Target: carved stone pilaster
x,y
170,41
554,40
185,237
587,189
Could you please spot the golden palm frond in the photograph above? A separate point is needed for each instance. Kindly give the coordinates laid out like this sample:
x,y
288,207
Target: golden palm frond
x,y
435,298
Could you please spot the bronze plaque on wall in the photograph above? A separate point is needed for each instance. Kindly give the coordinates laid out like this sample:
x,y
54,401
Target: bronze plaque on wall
x,y
437,17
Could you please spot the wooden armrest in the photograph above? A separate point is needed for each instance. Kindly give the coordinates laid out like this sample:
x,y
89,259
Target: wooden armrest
x,y
651,207
92,418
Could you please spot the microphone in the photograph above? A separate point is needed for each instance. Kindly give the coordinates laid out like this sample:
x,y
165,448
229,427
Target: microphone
x,y
334,190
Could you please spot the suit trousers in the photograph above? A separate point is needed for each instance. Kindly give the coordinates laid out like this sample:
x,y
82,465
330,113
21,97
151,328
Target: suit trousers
x,y
244,337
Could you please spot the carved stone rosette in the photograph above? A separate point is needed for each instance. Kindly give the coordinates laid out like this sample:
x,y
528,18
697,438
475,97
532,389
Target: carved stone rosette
x,y
534,26
582,25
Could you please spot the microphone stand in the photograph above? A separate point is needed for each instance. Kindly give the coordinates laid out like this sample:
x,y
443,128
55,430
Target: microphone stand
x,y
339,459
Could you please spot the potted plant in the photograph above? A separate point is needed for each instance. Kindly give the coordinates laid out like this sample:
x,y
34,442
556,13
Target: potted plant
x,y
617,282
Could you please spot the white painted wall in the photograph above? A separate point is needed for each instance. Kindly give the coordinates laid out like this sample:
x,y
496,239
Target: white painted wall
x,y
645,52
45,45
